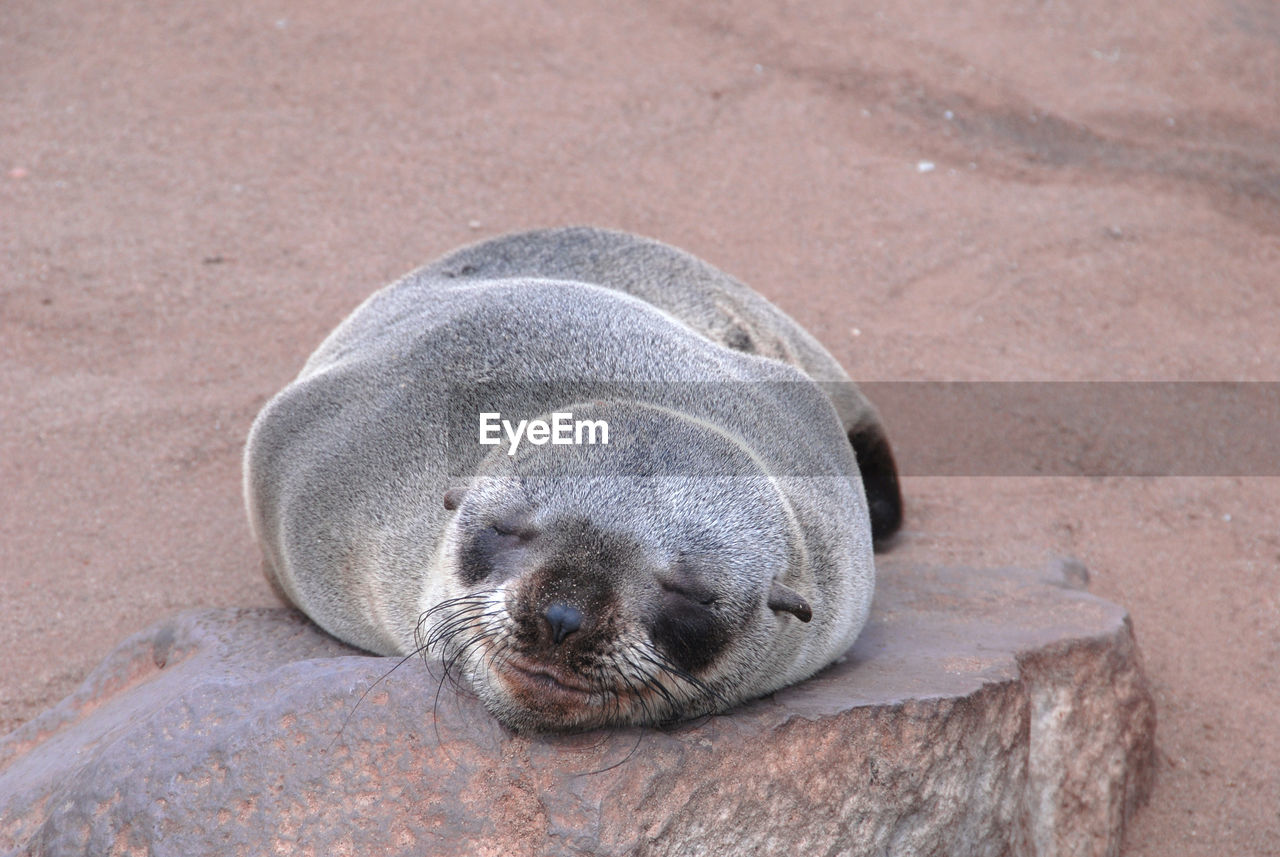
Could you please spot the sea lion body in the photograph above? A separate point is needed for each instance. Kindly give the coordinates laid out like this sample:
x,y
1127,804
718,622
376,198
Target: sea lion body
x,y
717,548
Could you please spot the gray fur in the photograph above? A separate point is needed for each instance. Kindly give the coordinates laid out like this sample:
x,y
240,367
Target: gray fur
x,y
710,387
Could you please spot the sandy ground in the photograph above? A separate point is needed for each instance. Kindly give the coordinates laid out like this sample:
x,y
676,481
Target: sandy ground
x,y
193,194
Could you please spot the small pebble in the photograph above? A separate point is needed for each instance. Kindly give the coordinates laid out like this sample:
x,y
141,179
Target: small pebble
x,y
1069,572
925,166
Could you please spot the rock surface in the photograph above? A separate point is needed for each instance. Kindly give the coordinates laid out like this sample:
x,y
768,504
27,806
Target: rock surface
x,y
981,712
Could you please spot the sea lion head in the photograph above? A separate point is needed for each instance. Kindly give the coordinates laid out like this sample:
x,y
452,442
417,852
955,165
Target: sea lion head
x,y
647,581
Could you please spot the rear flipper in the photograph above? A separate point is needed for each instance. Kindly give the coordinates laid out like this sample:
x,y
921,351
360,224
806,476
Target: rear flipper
x,y
879,480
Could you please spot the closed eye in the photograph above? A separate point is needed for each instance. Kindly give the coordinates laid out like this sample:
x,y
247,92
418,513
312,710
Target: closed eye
x,y
696,594
514,529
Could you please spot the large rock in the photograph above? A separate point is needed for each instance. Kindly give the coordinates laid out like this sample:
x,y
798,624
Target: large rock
x,y
980,712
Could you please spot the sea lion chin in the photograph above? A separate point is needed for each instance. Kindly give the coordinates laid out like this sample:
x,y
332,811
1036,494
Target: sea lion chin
x,y
716,546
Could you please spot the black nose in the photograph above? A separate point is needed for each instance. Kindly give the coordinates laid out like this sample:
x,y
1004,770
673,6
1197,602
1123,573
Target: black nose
x,y
563,619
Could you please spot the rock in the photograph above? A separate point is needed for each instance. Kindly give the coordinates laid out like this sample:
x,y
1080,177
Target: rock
x,y
981,712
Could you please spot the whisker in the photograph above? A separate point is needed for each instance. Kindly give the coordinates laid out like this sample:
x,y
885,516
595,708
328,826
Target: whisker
x,y
620,762
367,691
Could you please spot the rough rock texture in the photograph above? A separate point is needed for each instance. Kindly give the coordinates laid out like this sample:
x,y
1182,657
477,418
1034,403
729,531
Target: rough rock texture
x,y
982,712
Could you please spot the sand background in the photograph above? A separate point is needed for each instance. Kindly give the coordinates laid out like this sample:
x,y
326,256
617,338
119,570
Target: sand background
x,y
193,194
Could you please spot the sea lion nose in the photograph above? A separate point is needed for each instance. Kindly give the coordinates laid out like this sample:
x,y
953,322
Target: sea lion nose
x,y
563,619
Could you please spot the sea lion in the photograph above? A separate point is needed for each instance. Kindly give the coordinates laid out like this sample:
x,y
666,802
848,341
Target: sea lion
x,y
425,483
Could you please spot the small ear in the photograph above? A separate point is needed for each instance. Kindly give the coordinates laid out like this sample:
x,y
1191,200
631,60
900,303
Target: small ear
x,y
453,498
785,598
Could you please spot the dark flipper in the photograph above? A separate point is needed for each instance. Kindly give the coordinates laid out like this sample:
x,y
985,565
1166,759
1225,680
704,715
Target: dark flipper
x,y
879,480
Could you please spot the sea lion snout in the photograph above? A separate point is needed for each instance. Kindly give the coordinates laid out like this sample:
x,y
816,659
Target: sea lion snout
x,y
562,619
563,610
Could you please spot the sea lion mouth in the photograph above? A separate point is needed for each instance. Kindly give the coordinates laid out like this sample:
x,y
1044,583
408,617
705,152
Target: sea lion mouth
x,y
541,682
529,694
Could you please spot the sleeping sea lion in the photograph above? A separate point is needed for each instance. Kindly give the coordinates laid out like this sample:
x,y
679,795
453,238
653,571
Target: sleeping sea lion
x,y
603,481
